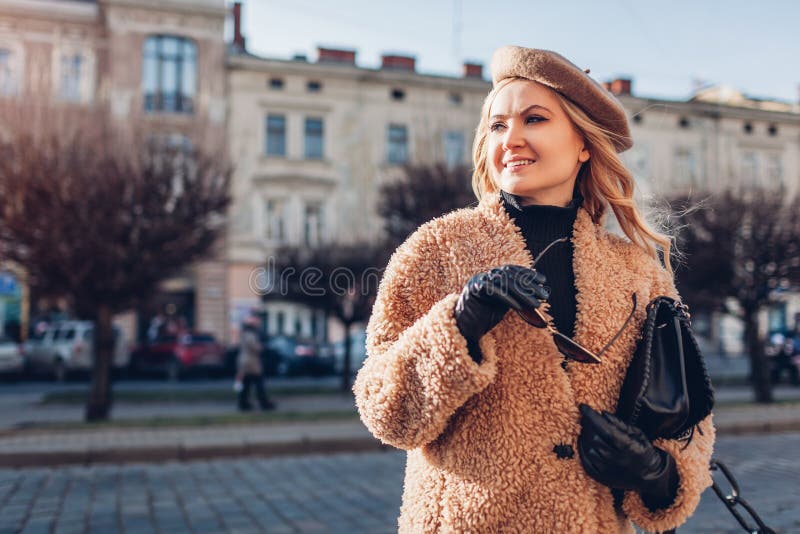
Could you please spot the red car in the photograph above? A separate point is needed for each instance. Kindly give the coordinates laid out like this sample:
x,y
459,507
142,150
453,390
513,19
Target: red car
x,y
176,355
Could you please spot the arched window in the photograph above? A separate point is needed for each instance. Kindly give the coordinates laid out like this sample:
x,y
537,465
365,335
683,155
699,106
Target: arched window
x,y
169,74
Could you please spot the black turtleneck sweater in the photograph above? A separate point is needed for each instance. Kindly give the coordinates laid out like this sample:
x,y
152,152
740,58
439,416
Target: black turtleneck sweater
x,y
540,226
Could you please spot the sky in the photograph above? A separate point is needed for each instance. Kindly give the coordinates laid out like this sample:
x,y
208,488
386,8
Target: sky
x,y
668,48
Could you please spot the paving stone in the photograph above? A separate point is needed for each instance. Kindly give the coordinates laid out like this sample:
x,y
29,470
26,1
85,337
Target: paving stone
x,y
343,493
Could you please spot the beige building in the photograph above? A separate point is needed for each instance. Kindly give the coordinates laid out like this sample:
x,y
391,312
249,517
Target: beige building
x,y
158,64
717,139
314,140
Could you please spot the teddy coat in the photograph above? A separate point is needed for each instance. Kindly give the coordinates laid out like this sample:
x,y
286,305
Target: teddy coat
x,y
486,441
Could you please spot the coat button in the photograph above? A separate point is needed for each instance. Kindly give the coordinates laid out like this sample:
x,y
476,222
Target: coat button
x,y
564,451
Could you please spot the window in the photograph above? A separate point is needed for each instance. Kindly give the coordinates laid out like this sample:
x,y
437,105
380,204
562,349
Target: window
x,y
750,169
748,127
453,148
280,319
70,83
398,94
275,219
638,118
772,130
684,167
171,141
8,84
65,333
276,135
455,99
638,160
169,74
313,142
312,228
276,83
397,144
683,122
314,86
774,170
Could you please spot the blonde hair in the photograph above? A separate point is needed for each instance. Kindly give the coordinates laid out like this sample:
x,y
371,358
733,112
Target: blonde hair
x,y
603,181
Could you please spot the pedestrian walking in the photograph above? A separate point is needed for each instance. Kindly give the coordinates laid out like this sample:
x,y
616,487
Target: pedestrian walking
x,y
501,334
250,370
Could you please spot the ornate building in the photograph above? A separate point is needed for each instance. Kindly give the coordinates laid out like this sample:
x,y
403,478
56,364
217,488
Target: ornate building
x,y
158,65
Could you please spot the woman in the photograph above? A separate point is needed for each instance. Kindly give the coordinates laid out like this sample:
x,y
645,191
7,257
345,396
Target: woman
x,y
507,419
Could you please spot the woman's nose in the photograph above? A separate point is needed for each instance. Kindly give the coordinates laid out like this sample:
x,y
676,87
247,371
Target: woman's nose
x,y
513,137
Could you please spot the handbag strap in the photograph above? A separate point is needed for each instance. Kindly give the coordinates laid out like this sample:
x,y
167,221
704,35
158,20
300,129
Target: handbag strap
x,y
734,499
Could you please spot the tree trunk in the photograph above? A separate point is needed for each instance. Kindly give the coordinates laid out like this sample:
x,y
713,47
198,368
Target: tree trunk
x,y
98,405
347,359
759,369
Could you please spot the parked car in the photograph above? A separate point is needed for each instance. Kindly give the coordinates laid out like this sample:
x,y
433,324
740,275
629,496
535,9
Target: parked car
x,y
176,356
12,363
783,351
358,352
65,347
297,356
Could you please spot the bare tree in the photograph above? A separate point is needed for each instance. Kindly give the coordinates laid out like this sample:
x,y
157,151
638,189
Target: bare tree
x,y
343,279
102,216
740,245
340,279
424,192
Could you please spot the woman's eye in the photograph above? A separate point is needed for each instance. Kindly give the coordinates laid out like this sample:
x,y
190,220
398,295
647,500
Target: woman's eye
x,y
495,126
534,119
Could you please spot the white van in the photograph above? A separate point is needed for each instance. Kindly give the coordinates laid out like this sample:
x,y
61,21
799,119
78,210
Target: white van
x,y
67,346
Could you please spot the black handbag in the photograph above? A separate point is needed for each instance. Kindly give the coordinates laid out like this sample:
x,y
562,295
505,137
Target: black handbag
x,y
666,391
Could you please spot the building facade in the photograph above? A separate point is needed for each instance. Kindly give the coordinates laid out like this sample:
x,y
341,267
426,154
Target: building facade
x,y
158,65
715,140
314,140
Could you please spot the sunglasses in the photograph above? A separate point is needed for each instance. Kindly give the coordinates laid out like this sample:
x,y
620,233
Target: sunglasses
x,y
566,345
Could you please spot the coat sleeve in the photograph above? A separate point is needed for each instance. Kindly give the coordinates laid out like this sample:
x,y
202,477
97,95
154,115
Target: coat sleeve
x,y
418,371
692,460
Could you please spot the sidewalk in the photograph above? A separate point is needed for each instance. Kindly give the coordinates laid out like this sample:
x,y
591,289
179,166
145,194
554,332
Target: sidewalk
x,y
42,447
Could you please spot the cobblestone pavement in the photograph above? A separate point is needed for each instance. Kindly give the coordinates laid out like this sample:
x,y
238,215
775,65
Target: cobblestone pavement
x,y
345,493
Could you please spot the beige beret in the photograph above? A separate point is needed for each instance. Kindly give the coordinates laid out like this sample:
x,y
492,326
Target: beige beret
x,y
558,73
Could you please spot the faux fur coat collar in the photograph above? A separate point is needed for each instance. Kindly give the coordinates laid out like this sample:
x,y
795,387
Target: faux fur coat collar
x,y
492,447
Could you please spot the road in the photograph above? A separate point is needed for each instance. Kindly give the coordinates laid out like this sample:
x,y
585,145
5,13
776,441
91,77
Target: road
x,y
21,406
342,493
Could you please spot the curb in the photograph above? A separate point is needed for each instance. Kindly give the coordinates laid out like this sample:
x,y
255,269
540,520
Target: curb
x,y
181,453
757,427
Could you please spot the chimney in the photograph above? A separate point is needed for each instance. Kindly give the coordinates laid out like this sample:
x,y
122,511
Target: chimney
x,y
619,86
336,55
238,38
473,70
397,62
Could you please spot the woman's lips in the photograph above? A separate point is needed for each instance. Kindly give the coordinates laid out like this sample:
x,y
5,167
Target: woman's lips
x,y
519,165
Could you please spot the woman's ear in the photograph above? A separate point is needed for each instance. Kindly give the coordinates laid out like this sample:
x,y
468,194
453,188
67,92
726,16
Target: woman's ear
x,y
584,155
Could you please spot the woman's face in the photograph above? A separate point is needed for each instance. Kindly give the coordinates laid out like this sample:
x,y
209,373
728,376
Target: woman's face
x,y
534,151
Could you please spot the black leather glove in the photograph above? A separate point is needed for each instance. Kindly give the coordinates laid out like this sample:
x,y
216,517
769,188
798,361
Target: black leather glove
x,y
487,297
620,456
